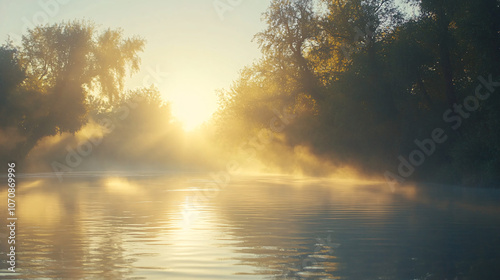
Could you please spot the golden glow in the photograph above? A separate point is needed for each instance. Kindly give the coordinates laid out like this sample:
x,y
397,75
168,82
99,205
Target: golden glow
x,y
31,184
39,208
189,83
121,186
192,108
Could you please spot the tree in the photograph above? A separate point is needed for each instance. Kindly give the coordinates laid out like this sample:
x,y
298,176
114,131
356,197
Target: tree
x,y
292,28
373,82
77,52
64,63
12,74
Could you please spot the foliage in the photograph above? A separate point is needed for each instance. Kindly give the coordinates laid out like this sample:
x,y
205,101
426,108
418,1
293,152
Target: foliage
x,y
46,82
370,82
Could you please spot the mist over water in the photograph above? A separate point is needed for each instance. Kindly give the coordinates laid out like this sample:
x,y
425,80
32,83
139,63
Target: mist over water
x,y
151,226
312,163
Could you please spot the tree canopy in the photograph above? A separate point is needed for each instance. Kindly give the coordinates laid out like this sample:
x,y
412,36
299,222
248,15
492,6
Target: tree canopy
x,y
368,82
46,82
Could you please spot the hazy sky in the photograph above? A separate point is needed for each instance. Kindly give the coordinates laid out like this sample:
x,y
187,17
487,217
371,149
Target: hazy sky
x,y
192,49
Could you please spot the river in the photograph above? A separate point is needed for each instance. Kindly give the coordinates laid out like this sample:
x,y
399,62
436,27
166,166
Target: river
x,y
154,226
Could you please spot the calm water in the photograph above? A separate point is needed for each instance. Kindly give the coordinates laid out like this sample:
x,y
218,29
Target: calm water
x,y
266,227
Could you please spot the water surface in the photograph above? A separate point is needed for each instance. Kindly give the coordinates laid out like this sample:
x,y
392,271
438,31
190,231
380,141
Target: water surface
x,y
258,227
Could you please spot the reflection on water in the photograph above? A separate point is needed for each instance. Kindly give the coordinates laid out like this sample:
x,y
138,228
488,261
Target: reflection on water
x,y
267,227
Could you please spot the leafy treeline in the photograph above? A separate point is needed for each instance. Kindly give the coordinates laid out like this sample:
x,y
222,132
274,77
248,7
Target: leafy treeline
x,y
351,82
411,97
64,107
66,76
45,83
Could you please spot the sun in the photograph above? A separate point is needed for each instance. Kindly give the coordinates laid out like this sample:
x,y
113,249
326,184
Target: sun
x,y
192,108
191,85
